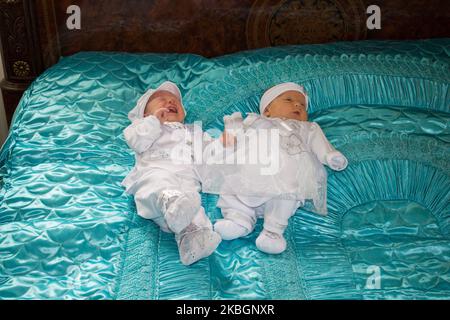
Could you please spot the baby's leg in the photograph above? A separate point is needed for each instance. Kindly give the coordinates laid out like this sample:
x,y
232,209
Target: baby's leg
x,y
198,240
167,199
162,224
276,218
178,208
238,218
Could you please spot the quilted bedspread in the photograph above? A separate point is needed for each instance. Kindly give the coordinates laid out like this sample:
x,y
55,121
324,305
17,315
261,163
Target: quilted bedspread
x,y
69,231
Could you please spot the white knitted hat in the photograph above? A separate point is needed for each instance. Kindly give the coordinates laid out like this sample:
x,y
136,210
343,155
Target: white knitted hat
x,y
138,110
277,90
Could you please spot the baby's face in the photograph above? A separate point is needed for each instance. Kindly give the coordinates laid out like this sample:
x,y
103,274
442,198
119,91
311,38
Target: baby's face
x,y
289,105
165,100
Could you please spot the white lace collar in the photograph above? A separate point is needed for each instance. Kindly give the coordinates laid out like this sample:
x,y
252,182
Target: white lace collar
x,y
174,125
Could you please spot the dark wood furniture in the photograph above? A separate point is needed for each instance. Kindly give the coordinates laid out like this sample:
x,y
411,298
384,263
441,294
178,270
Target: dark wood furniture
x,y
34,33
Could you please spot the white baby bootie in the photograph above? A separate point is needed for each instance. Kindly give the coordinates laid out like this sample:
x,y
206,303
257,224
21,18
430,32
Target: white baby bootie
x,y
178,209
270,242
230,230
196,245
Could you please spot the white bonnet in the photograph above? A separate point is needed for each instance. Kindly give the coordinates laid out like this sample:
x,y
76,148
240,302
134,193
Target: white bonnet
x,y
277,90
138,111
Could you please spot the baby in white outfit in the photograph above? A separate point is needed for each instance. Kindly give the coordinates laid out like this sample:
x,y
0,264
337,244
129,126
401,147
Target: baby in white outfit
x,y
165,188
303,150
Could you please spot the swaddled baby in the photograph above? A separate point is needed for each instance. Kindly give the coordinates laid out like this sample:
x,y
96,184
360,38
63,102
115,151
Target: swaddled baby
x,y
303,150
165,188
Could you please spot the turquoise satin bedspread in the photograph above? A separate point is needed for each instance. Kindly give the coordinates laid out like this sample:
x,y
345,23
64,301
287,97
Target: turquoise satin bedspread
x,y
68,230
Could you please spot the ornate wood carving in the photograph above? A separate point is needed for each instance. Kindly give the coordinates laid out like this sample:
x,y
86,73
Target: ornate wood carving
x,y
19,43
285,22
20,48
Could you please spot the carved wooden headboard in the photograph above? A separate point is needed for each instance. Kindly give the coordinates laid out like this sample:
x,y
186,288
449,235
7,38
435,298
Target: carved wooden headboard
x,y
34,33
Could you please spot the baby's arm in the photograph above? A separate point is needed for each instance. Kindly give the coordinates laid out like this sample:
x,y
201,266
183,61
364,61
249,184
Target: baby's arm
x,y
214,148
142,133
324,151
233,125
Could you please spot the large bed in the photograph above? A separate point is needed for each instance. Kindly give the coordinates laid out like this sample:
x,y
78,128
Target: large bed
x,y
68,230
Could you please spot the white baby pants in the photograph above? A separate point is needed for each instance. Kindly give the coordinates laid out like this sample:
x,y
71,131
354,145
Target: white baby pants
x,y
245,210
150,190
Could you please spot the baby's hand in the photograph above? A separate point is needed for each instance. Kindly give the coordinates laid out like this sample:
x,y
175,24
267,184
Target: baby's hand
x,y
337,161
161,114
233,126
227,139
233,122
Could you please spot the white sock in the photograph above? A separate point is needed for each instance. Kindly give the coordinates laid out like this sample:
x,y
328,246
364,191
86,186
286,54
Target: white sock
x,y
230,230
270,242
